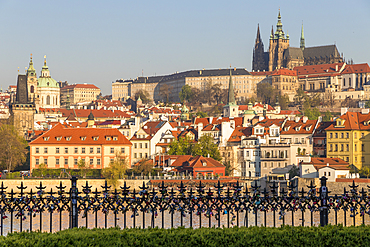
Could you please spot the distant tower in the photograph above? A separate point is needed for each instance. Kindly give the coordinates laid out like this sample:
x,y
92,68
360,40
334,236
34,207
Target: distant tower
x,y
231,109
302,45
259,62
31,82
90,121
21,109
278,44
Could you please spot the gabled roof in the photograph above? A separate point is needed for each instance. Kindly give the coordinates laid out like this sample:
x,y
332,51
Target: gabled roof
x,y
356,68
320,130
81,136
321,51
239,132
352,121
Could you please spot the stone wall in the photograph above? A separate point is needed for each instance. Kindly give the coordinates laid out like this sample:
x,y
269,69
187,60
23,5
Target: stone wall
x,y
52,183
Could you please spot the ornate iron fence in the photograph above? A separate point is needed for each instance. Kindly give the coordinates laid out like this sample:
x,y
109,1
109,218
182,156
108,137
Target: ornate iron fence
x,y
170,207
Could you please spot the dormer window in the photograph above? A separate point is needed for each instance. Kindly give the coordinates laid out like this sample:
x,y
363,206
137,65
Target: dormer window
x,y
204,163
83,138
46,138
115,138
108,138
95,138
58,138
68,138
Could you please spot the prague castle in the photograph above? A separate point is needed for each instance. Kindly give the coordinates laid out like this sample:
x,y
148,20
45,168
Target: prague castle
x,y
281,55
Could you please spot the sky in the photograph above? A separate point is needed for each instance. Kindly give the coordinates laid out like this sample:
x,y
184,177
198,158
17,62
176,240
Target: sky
x,y
98,42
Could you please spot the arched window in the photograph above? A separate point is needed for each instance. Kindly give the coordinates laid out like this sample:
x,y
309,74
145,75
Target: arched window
x,y
32,89
48,100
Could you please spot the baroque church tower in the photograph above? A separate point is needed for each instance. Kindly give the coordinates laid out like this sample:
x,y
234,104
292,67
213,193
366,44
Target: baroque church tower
x,y
231,109
31,82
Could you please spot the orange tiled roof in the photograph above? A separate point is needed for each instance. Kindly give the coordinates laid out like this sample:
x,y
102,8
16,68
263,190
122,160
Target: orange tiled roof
x,y
319,70
81,136
80,86
284,71
356,68
352,121
293,127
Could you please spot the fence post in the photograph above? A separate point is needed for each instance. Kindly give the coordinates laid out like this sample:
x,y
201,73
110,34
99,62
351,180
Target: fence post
x,y
324,202
74,210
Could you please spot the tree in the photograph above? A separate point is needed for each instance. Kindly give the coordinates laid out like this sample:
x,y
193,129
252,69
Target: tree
x,y
13,147
204,147
144,167
266,92
42,168
283,101
328,99
116,169
144,96
201,114
367,104
300,97
312,114
165,92
365,171
327,117
83,166
186,93
349,102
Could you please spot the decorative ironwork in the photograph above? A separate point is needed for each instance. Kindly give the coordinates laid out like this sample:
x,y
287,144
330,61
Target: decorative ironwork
x,y
193,207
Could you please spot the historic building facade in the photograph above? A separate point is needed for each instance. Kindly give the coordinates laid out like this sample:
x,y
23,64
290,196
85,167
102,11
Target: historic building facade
x,y
281,55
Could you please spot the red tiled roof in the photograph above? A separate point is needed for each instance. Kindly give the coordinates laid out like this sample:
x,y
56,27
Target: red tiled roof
x,y
352,121
284,71
288,112
81,136
238,133
356,68
319,70
293,127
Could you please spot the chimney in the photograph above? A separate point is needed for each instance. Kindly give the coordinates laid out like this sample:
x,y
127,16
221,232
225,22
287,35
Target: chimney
x,y
327,164
304,119
336,67
297,119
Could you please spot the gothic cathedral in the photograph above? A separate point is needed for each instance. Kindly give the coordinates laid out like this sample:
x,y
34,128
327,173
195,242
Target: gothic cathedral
x,y
281,55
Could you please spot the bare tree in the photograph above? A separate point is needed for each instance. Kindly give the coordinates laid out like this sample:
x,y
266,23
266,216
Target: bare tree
x,y
165,92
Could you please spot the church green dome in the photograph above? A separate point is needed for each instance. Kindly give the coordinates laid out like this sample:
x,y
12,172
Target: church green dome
x,y
47,82
184,109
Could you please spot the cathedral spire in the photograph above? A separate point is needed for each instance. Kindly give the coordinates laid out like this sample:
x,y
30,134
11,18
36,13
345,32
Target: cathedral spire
x,y
302,46
258,37
231,97
279,34
31,70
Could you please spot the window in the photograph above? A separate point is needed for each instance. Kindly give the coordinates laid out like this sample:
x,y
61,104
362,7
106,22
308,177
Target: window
x,y
355,135
347,147
141,155
362,147
336,135
123,150
37,161
91,161
76,150
341,147
83,150
347,159
347,135
45,150
356,159
75,161
66,161
362,135
135,145
331,148
57,150
342,135
65,150
146,145
98,150
98,161
146,155
363,159
135,155
57,161
37,150
91,150
112,150
336,147
355,147
46,161
141,145
331,135
329,173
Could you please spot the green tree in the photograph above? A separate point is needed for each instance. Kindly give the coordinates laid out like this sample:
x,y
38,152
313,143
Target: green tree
x,y
205,146
365,171
144,167
312,114
116,169
186,94
42,168
144,96
327,117
283,101
367,104
83,166
201,114
13,147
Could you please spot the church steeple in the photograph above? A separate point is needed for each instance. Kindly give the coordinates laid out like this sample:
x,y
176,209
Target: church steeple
x,y
231,97
302,46
45,69
279,34
31,70
258,37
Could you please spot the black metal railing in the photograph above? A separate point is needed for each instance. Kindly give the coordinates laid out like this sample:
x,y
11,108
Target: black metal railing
x,y
48,210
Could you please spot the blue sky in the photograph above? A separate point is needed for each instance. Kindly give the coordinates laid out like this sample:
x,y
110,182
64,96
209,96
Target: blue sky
x,y
100,41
